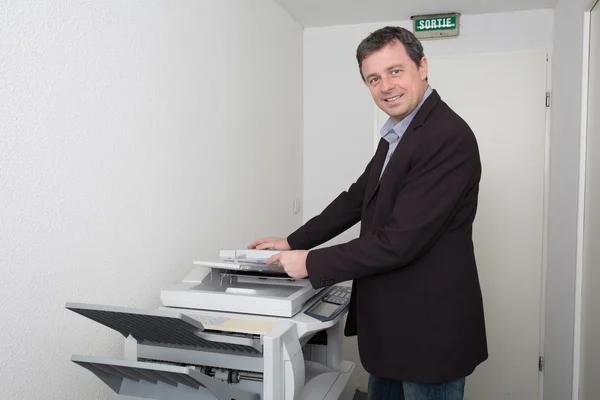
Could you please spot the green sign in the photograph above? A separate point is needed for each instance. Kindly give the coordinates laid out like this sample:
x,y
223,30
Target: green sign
x,y
434,24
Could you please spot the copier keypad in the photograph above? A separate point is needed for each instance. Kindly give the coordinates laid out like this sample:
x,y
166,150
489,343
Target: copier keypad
x,y
338,296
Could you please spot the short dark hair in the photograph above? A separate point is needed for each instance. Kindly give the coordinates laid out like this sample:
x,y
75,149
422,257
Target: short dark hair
x,y
385,36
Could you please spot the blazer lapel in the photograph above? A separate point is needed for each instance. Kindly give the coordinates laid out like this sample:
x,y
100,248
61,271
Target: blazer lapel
x,y
425,110
378,160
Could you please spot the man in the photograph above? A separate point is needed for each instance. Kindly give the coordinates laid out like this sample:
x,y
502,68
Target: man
x,y
416,302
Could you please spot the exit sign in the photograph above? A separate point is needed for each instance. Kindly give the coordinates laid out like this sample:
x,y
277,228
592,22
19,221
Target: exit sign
x,y
436,26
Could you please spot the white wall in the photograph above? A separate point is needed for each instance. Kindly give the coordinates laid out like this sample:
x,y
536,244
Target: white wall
x,y
339,112
135,137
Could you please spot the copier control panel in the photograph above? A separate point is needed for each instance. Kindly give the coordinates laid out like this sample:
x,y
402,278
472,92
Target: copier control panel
x,y
334,302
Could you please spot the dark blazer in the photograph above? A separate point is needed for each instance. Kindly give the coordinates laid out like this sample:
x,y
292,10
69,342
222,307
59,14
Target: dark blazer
x,y
416,301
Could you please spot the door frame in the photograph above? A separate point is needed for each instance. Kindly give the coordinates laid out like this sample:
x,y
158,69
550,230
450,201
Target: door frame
x,y
585,77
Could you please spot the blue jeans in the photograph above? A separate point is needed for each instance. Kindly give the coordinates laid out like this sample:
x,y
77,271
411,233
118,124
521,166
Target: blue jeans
x,y
387,389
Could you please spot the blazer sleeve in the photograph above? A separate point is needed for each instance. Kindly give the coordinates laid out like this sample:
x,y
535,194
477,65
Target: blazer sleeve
x,y
444,170
341,214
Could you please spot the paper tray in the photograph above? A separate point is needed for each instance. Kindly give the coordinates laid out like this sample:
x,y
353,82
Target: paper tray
x,y
245,260
164,327
158,381
273,269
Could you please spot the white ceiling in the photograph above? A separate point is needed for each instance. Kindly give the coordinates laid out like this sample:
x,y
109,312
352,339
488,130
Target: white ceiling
x,y
311,13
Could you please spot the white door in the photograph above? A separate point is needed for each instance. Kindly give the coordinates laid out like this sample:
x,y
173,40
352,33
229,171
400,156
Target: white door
x,y
502,98
590,306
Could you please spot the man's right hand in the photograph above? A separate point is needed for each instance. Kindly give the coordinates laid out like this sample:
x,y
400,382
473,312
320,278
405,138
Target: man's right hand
x,y
270,243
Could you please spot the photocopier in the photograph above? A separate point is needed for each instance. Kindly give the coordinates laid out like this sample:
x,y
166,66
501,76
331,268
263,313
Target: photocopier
x,y
232,329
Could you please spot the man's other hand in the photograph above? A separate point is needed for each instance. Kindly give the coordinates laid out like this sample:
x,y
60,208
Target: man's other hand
x,y
293,262
270,243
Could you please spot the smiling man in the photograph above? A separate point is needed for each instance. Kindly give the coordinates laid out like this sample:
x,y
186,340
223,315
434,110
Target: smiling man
x,y
416,302
397,82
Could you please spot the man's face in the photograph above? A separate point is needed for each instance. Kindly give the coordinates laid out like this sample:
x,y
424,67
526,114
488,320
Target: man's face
x,y
396,83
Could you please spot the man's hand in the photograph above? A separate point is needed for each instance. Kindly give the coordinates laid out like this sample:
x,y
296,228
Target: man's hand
x,y
293,262
270,243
